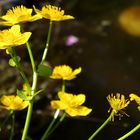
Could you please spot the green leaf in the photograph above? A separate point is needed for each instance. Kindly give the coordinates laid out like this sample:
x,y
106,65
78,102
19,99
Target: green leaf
x,y
38,92
12,62
23,95
44,70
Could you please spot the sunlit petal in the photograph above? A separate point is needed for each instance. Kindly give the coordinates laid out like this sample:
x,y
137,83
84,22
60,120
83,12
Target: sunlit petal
x,y
53,13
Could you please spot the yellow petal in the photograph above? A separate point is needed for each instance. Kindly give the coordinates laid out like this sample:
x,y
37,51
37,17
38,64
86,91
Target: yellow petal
x,y
6,23
6,100
135,97
13,37
77,71
65,17
58,105
53,13
12,102
36,10
22,39
77,100
17,15
79,111
70,99
15,29
18,104
65,97
36,17
74,74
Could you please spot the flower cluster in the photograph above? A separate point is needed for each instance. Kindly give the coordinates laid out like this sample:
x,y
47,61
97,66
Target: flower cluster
x,y
21,14
71,104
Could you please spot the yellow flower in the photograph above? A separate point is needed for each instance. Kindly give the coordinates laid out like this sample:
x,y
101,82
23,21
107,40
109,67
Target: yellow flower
x,y
13,37
71,104
136,98
53,13
13,102
64,72
118,103
17,15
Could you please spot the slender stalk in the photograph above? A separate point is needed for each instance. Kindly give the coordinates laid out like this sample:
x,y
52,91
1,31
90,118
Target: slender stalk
x,y
48,130
63,116
18,66
130,132
31,56
30,53
30,107
45,135
34,84
47,43
13,125
27,122
102,126
57,124
63,86
35,77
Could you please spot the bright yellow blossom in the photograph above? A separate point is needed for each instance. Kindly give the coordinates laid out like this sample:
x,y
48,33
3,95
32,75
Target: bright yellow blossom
x,y
53,13
17,15
64,72
13,37
118,103
136,98
13,102
71,104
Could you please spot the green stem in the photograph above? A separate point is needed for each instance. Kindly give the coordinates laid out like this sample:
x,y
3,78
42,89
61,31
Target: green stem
x,y
34,84
55,116
102,126
31,56
58,123
27,122
45,135
47,43
63,86
30,53
30,107
130,132
13,125
48,130
18,66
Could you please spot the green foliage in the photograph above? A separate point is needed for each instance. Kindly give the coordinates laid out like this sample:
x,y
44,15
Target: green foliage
x,y
44,70
14,60
23,95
